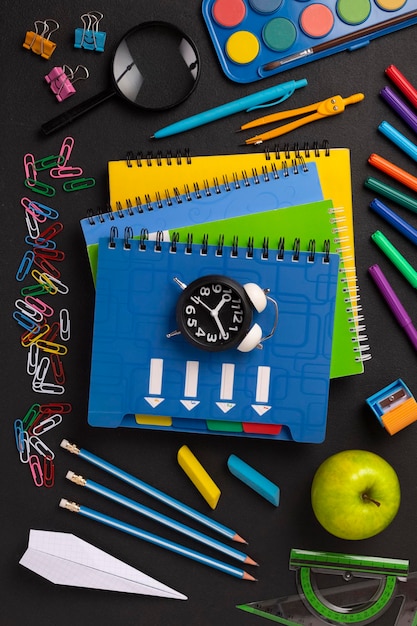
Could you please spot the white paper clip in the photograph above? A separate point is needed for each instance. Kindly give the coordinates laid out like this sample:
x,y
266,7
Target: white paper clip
x,y
47,424
40,446
32,359
64,325
27,309
32,225
25,452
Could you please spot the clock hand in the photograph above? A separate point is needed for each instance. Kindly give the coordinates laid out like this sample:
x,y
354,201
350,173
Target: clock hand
x,y
225,298
220,326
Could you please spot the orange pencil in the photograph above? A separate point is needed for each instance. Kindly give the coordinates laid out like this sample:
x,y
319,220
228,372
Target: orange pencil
x,y
394,171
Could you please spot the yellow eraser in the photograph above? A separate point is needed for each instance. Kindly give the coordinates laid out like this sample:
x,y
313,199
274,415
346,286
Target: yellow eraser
x,y
198,476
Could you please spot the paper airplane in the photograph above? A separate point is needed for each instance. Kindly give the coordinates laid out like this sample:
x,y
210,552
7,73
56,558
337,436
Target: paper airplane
x,y
65,559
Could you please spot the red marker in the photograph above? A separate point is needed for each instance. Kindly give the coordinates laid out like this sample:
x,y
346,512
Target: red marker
x,y
402,83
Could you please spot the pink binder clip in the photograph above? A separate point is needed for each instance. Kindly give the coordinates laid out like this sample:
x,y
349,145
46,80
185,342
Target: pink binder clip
x,y
61,80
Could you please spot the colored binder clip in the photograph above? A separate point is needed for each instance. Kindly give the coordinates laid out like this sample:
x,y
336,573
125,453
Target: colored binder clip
x,y
89,37
38,40
394,406
318,110
61,80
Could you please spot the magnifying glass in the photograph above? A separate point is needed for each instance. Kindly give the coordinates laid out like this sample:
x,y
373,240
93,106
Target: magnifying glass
x,y
155,66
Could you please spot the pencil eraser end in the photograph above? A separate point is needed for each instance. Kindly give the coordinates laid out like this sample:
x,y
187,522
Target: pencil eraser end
x,y
64,443
198,476
70,475
253,479
63,503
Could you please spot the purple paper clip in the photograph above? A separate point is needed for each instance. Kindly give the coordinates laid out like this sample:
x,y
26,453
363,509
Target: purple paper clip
x,y
61,80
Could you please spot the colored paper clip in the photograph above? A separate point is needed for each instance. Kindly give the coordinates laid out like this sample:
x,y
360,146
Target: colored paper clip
x,y
25,265
36,470
39,187
78,184
56,407
31,415
89,37
46,266
48,471
29,337
29,166
26,322
394,406
45,163
40,306
39,40
41,212
19,435
57,368
61,81
320,110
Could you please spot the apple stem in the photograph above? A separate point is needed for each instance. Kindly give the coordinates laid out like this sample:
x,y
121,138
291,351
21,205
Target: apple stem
x,y
366,497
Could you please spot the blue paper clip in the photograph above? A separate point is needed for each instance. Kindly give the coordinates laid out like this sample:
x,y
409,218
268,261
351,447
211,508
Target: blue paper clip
x,y
394,406
89,37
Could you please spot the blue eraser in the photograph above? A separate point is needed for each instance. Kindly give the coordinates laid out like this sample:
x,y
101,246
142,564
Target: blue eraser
x,y
253,479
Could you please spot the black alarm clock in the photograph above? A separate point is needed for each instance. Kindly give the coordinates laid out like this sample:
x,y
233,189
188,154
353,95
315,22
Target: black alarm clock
x,y
215,313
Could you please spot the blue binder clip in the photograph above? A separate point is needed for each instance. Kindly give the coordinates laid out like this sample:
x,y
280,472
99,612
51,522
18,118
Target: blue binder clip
x,y
394,406
90,37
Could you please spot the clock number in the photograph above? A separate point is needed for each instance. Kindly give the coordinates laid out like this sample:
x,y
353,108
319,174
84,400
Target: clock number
x,y
204,291
189,309
211,338
191,322
216,288
237,317
200,332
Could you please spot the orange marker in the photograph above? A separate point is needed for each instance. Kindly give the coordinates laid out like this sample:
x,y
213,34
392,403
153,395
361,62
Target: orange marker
x,y
393,171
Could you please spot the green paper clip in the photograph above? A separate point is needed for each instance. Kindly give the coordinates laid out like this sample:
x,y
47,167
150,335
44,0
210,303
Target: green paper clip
x,y
39,187
78,184
46,163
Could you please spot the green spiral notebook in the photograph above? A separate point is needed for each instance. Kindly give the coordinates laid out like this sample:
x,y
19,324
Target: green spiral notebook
x,y
318,221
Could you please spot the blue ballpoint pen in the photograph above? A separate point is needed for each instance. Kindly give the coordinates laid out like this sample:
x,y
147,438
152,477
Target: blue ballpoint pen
x,y
266,97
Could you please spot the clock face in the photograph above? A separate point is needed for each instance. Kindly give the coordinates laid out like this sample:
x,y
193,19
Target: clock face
x,y
214,313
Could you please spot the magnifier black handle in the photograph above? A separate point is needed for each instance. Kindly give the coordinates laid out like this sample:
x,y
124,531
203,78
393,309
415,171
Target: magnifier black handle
x,y
66,118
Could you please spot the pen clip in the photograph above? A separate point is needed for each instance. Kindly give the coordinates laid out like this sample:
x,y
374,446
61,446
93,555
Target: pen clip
x,y
286,95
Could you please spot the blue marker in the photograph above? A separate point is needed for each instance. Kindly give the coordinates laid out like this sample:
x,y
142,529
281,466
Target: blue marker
x,y
266,97
395,220
398,139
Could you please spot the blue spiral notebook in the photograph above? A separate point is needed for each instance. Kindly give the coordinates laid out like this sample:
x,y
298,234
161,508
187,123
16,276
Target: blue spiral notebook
x,y
274,188
136,370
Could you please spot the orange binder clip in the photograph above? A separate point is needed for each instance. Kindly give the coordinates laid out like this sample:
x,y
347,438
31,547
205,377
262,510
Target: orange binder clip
x,y
38,40
319,110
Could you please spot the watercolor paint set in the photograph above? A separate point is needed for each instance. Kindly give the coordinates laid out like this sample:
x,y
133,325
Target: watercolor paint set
x,y
255,39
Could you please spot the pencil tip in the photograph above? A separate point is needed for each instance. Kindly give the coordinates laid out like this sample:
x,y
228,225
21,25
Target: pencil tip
x,y
247,576
239,539
250,561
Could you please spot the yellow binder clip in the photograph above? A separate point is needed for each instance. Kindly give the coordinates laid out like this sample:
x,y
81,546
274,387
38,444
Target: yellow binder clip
x,y
325,108
38,40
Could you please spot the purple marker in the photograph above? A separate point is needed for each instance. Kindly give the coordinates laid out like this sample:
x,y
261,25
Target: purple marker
x,y
399,107
394,303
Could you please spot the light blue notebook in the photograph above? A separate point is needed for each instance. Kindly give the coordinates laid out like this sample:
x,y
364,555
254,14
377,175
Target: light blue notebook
x,y
137,370
273,189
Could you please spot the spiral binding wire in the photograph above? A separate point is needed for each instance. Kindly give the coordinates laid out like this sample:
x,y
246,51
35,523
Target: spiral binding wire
x,y
189,245
349,279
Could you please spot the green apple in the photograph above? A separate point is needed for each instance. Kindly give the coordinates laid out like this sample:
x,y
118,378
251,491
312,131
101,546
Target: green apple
x,y
355,494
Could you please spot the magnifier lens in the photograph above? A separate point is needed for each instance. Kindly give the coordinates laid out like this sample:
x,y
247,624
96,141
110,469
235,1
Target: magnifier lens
x,y
155,66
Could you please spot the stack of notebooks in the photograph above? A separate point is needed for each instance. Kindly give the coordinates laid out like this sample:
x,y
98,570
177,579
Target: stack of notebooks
x,y
281,220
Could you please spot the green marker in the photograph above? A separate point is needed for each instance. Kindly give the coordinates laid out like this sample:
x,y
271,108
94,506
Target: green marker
x,y
391,193
395,257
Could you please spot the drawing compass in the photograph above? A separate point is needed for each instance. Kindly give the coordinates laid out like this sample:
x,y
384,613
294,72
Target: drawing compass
x,y
357,602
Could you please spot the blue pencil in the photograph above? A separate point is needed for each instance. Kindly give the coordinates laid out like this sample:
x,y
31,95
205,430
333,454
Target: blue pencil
x,y
151,491
158,517
155,539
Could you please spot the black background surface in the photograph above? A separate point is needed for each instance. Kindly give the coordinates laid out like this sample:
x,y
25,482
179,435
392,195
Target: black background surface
x,y
107,134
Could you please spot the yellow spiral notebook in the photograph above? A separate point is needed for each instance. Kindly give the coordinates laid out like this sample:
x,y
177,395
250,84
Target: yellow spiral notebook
x,y
139,179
